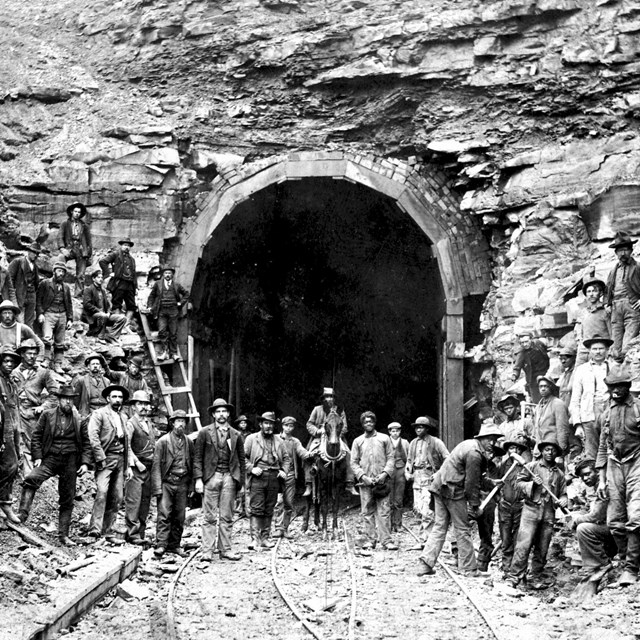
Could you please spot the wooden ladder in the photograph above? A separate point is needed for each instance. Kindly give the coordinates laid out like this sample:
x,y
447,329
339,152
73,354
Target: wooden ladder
x,y
169,391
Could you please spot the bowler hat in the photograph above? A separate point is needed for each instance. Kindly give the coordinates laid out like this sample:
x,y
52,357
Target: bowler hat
x,y
166,267
128,241
550,443
59,265
9,351
219,402
622,239
590,341
593,282
71,207
66,391
179,413
94,356
29,343
489,429
268,416
140,396
426,421
137,360
116,387
7,305
289,420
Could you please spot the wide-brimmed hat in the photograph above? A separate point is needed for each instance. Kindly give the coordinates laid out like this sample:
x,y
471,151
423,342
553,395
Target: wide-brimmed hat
x,y
618,377
240,419
603,339
548,379
126,241
137,360
71,207
518,441
622,239
29,343
140,396
489,429
179,413
8,350
220,402
93,356
506,398
552,443
327,391
59,265
426,421
268,416
593,282
116,387
33,247
7,305
66,391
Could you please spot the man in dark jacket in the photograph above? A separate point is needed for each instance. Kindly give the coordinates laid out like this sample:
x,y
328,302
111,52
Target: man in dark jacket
x,y
60,447
165,302
74,242
456,491
622,297
55,313
96,308
534,361
7,291
26,278
172,482
90,386
218,469
123,284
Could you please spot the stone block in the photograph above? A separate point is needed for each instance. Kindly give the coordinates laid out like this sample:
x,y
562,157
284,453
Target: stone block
x,y
70,176
162,156
123,177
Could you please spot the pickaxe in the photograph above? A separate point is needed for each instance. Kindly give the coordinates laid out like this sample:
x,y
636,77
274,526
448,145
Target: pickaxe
x,y
556,500
497,488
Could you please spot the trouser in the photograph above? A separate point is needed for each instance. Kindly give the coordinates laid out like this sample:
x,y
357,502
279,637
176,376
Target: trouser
x,y
591,439
109,493
623,510
168,329
28,314
54,331
485,529
264,491
625,324
422,499
536,530
312,446
509,520
450,511
597,545
9,463
28,421
218,498
137,502
108,325
172,506
377,516
396,497
74,252
284,506
124,292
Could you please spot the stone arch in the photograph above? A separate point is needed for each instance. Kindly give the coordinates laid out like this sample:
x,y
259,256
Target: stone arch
x,y
458,245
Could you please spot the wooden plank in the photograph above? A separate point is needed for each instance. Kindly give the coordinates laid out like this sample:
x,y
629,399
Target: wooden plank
x,y
80,603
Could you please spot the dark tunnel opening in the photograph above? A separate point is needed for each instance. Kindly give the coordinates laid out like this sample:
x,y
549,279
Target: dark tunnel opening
x,y
319,282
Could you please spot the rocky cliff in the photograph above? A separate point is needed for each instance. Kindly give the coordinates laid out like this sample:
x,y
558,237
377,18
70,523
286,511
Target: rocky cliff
x,y
530,106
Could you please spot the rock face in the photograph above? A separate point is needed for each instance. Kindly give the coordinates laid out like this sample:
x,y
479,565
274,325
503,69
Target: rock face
x,y
530,106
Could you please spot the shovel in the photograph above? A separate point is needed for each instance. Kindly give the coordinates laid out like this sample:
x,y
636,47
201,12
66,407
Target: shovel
x,y
556,500
497,488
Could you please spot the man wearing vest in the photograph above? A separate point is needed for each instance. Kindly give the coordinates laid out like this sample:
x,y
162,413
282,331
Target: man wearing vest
x,y
110,445
90,386
74,242
26,278
618,465
142,441
104,323
60,447
218,469
123,284
398,481
132,379
426,455
55,312
165,302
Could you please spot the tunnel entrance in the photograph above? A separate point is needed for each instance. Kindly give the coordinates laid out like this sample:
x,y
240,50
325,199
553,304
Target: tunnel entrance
x,y
319,282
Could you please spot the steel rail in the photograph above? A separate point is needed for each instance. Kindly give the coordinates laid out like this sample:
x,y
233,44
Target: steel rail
x,y
352,570
483,614
171,624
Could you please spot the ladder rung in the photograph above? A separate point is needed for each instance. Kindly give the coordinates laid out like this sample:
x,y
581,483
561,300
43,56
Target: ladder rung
x,y
173,390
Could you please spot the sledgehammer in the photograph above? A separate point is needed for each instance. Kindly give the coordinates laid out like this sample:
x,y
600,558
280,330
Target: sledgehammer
x,y
497,488
523,462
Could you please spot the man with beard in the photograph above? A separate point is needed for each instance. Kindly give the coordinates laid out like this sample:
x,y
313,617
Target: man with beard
x,y
142,436
623,295
171,483
267,464
131,379
90,386
26,278
55,313
456,491
618,465
123,284
219,470
31,381
315,427
74,242
104,323
60,447
10,453
110,445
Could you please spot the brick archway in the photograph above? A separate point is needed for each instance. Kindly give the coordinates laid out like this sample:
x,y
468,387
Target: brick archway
x,y
458,246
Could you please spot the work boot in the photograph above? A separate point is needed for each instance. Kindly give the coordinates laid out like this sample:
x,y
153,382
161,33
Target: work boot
x,y
424,569
632,561
64,522
254,527
10,513
351,489
483,565
25,503
265,534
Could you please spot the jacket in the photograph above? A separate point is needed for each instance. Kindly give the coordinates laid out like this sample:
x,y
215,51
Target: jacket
x,y
296,452
18,273
372,455
254,448
534,362
205,461
103,430
65,239
7,292
43,436
552,422
619,426
535,495
432,453
116,258
91,303
589,393
83,386
461,473
164,454
46,293
633,282
155,297
315,423
137,435
31,382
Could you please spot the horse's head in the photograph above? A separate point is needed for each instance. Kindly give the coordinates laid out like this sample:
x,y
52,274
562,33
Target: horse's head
x,y
333,429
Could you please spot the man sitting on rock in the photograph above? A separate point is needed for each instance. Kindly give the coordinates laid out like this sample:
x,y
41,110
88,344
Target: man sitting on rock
x,y
96,308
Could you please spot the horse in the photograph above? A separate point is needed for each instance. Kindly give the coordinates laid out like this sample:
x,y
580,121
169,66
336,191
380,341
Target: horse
x,y
330,467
